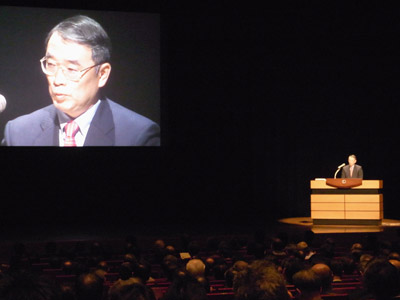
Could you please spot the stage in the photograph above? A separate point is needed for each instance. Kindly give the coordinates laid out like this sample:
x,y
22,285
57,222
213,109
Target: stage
x,y
307,223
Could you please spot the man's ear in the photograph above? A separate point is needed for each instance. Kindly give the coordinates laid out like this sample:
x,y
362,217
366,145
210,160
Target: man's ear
x,y
104,73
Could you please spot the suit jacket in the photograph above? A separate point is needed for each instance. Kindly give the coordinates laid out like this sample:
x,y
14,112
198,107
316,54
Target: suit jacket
x,y
357,172
112,125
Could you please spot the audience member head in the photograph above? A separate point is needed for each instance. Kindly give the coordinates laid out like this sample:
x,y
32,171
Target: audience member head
x,y
385,248
125,270
22,285
277,245
159,244
325,275
130,257
381,279
349,265
142,270
89,286
394,255
230,274
132,290
303,249
327,249
260,281
337,268
219,270
101,269
170,265
308,284
195,268
364,261
291,266
169,249
395,263
210,263
159,250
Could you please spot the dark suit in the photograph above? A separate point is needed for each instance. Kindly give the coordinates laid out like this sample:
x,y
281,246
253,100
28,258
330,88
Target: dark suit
x,y
112,125
357,172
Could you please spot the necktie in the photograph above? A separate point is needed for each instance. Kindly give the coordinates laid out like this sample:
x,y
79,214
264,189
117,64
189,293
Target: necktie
x,y
70,131
351,171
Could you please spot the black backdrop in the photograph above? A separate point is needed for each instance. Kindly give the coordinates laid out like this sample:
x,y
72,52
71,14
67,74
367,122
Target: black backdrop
x,y
254,103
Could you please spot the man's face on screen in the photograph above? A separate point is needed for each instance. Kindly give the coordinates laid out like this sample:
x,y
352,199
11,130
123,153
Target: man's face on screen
x,y
74,97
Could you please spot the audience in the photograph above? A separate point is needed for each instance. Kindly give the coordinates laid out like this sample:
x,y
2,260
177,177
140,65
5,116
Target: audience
x,y
262,268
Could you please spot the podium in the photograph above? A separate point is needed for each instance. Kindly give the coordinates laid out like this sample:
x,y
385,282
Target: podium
x,y
346,201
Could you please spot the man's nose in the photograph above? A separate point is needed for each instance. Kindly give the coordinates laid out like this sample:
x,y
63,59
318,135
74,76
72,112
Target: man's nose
x,y
59,77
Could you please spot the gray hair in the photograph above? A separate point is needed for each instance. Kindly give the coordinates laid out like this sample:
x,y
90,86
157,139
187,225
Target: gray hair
x,y
86,31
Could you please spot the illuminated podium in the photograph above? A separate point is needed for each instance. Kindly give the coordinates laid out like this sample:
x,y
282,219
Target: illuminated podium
x,y
346,201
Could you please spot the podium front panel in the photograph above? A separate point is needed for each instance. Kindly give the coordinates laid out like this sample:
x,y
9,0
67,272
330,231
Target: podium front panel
x,y
358,205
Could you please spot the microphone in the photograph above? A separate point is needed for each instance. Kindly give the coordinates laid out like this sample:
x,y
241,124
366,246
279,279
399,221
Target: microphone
x,y
341,166
338,169
3,103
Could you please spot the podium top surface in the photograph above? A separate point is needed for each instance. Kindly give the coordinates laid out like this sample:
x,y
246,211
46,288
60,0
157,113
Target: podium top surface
x,y
365,184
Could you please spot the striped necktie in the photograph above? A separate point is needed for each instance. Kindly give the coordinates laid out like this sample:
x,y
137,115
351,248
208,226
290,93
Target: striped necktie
x,y
71,128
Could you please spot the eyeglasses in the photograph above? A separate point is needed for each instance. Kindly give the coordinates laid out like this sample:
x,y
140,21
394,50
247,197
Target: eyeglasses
x,y
50,67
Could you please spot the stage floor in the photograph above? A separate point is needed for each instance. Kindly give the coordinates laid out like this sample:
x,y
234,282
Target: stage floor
x,y
306,222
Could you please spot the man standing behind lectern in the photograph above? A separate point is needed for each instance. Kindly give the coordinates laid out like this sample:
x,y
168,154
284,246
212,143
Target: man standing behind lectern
x,y
352,170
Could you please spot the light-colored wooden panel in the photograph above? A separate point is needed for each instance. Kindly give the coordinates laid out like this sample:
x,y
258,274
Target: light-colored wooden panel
x,y
362,206
327,198
371,184
327,206
320,184
316,214
364,215
364,198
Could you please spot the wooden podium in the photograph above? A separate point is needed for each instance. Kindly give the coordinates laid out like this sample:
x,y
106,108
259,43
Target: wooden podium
x,y
346,201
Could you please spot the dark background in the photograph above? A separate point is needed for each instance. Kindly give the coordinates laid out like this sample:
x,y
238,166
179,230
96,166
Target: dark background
x,y
255,102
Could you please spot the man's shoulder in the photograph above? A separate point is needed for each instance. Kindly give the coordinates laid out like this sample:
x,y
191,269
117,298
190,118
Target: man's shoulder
x,y
122,110
132,128
123,115
24,130
36,117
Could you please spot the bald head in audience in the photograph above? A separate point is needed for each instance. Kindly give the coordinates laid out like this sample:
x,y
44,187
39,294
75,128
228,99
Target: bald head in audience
x,y
196,267
325,274
395,263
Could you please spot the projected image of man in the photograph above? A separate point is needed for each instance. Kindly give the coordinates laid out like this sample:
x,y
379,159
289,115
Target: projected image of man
x,y
77,65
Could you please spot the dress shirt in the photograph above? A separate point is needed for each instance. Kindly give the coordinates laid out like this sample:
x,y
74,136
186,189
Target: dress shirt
x,y
83,122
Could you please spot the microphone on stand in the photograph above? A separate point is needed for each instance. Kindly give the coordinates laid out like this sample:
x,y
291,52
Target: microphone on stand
x,y
338,169
3,103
